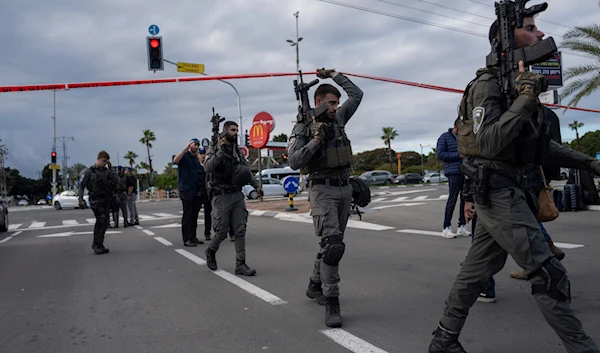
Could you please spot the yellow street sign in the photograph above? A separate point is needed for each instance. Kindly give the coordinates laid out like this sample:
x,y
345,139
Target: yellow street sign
x,y
190,67
54,166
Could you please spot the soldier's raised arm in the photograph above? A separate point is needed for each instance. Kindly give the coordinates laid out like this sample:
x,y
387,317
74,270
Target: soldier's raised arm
x,y
301,148
354,93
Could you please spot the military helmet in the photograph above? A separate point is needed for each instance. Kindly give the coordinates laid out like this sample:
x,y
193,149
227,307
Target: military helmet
x,y
241,175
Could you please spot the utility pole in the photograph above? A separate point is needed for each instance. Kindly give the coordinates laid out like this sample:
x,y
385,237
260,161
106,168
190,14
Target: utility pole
x,y
3,189
296,43
64,140
54,147
422,169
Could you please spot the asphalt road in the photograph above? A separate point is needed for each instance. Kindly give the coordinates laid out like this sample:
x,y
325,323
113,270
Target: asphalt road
x,y
151,294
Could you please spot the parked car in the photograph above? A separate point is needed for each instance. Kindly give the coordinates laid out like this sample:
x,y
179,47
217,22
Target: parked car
x,y
3,216
23,202
377,177
270,186
434,178
69,199
408,178
41,202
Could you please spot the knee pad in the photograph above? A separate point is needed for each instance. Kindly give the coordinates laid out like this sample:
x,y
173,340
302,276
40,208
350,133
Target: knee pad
x,y
556,282
102,221
333,250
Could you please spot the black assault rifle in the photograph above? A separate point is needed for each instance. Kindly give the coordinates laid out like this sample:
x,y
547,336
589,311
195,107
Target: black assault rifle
x,y
510,15
216,121
305,112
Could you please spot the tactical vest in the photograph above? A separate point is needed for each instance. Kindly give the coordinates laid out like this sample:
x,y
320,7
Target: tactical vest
x,y
336,151
222,176
466,124
99,182
122,182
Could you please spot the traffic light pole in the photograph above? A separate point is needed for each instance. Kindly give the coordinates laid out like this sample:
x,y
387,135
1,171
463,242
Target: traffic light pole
x,y
54,147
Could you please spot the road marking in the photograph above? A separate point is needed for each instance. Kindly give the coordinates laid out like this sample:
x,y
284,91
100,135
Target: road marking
x,y
35,224
70,222
409,192
91,220
257,213
400,205
147,232
401,198
139,227
351,342
165,215
246,286
568,246
146,217
366,225
377,200
423,232
10,237
420,198
170,225
443,197
14,226
164,241
68,234
384,187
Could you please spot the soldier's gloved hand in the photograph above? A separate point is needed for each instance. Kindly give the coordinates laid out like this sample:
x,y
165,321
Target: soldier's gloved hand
x,y
530,84
325,73
318,131
82,204
594,166
260,192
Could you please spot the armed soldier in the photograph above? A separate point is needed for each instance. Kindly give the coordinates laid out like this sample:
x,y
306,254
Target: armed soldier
x,y
502,131
321,148
230,172
121,194
98,179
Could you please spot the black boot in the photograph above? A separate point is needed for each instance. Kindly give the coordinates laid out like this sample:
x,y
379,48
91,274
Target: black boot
x,y
314,291
242,269
98,249
333,317
445,342
211,261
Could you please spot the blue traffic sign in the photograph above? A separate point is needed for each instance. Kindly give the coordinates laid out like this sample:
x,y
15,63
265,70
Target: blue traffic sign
x,y
153,29
290,184
598,155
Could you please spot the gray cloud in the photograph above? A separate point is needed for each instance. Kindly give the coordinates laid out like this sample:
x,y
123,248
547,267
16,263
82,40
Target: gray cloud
x,y
63,41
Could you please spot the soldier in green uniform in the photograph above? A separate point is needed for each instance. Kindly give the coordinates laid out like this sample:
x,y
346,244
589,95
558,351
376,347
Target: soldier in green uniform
x,y
323,150
98,179
230,172
505,141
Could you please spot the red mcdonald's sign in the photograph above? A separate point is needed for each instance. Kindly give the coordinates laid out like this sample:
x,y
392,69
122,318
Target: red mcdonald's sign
x,y
259,135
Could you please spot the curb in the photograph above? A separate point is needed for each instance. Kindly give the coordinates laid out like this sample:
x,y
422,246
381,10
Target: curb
x,y
593,207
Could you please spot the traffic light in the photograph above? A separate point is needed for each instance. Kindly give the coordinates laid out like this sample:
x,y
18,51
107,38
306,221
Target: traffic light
x,y
284,157
247,138
53,157
155,53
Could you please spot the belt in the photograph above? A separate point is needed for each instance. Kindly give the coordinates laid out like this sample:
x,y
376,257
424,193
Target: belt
x,y
328,182
217,192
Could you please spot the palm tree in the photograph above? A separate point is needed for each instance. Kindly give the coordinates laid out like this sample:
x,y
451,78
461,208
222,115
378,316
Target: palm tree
x,y
147,140
131,156
575,125
585,40
388,135
168,168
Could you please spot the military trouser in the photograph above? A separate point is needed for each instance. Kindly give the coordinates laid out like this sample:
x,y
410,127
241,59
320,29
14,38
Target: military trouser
x,y
229,211
206,202
133,214
123,206
330,209
101,208
508,226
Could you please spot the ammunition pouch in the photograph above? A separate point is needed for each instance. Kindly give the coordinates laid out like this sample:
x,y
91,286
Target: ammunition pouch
x,y
479,176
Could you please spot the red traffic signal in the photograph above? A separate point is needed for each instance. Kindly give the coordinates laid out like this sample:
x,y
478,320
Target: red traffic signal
x,y
53,157
155,53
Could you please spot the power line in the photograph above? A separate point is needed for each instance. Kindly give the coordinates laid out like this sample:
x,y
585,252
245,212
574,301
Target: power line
x,y
404,18
413,8
554,23
389,14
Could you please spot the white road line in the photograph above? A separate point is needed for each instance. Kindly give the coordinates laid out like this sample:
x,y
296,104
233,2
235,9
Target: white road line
x,y
139,227
417,231
420,198
147,232
164,214
69,222
409,192
377,200
351,342
400,205
568,246
17,233
257,213
10,237
420,185
14,226
248,287
384,187
443,197
143,216
37,224
401,198
91,220
164,241
365,225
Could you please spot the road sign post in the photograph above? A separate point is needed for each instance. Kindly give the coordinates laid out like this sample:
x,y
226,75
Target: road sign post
x,y
259,136
265,119
290,185
398,155
190,67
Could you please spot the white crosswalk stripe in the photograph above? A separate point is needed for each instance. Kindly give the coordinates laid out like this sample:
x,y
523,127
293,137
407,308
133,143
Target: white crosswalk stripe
x,y
14,226
91,220
164,215
69,222
37,224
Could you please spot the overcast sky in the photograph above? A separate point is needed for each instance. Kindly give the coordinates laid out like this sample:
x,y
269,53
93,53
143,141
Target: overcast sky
x,y
68,41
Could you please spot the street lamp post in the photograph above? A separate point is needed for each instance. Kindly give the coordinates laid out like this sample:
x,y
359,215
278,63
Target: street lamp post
x,y
422,169
64,140
296,43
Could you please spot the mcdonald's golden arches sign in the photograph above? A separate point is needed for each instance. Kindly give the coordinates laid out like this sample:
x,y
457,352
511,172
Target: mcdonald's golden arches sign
x,y
259,135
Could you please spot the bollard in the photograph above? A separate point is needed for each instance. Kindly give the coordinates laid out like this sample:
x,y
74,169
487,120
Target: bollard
x,y
291,208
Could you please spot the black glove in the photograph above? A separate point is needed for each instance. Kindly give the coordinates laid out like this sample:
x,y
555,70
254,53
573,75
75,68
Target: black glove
x,y
531,84
82,204
323,73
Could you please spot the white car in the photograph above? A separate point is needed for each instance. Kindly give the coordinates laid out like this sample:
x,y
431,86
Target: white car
x,y
434,178
23,202
270,186
69,199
